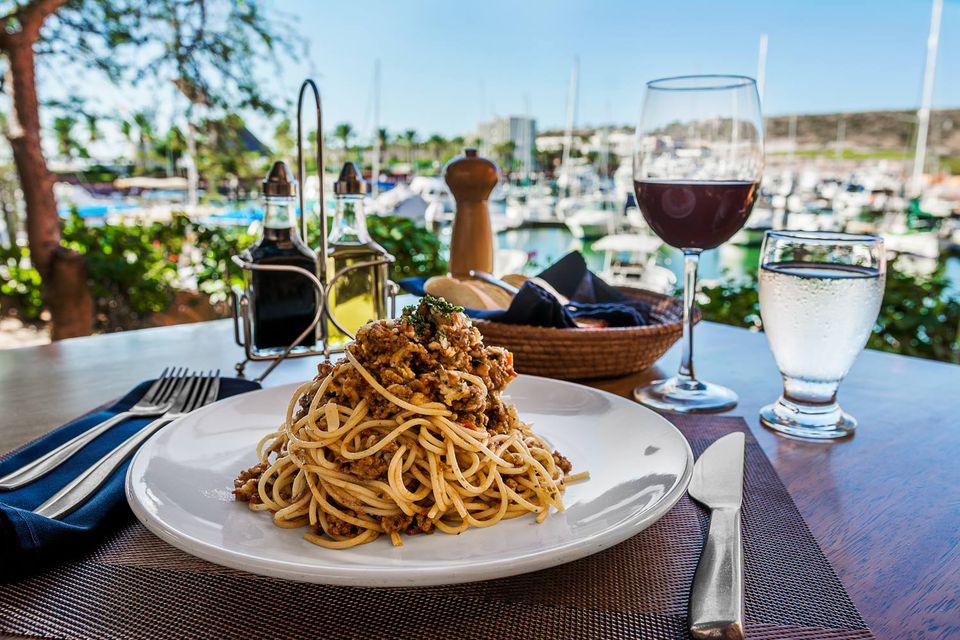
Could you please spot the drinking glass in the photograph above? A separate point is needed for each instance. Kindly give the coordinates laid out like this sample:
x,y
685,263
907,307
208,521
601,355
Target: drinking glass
x,y
697,163
819,298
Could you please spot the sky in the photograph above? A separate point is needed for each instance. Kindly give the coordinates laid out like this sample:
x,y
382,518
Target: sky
x,y
447,64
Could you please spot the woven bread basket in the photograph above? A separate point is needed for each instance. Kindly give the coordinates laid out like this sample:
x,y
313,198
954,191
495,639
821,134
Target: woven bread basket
x,y
579,354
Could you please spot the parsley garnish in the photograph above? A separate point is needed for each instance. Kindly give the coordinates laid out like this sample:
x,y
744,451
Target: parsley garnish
x,y
420,315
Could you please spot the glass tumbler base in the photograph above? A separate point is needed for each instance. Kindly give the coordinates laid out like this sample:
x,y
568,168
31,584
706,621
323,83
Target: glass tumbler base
x,y
685,396
809,423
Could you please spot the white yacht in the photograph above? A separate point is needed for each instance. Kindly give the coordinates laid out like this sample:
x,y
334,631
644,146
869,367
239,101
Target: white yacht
x,y
630,259
440,204
592,216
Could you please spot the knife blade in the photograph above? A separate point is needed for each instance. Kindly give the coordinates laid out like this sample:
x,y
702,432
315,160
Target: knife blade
x,y
716,599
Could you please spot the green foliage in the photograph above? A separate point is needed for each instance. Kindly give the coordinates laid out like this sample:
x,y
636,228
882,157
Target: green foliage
x,y
506,152
917,317
951,164
733,303
19,284
224,151
132,269
848,154
67,145
215,272
416,249
343,132
284,139
98,173
212,51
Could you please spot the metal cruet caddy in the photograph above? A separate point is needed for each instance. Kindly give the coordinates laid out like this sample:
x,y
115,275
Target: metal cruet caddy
x,y
322,279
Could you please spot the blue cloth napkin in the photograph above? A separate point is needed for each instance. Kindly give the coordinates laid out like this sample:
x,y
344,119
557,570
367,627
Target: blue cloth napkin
x,y
532,305
28,541
590,297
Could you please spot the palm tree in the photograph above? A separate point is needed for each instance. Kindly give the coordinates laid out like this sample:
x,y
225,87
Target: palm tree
x,y
283,138
63,129
409,138
93,133
505,151
384,137
127,130
174,145
344,132
436,144
146,130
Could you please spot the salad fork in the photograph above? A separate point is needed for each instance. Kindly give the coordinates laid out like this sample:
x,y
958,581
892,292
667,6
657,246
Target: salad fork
x,y
200,390
156,401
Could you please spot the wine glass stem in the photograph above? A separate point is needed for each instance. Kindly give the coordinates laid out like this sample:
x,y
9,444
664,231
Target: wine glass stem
x,y
691,260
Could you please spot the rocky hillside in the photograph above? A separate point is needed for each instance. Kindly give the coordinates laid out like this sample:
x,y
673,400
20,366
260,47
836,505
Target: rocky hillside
x,y
891,132
869,131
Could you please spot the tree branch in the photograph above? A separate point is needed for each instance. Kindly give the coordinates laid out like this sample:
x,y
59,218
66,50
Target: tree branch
x,y
32,16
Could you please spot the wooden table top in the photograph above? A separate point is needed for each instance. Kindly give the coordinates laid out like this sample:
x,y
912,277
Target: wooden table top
x,y
884,505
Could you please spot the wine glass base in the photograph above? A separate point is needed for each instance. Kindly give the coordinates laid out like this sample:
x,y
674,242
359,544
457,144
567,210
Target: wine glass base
x,y
808,423
685,396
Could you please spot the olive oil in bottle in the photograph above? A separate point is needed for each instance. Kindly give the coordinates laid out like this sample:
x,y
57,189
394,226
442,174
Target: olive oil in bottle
x,y
359,295
283,303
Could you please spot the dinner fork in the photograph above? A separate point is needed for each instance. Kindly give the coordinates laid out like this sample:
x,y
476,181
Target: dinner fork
x,y
156,401
200,390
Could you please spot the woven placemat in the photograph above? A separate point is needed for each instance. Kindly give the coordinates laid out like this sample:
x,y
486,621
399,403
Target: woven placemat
x,y
135,586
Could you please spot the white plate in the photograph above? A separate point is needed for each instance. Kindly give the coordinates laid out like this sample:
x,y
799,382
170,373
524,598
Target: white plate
x,y
179,485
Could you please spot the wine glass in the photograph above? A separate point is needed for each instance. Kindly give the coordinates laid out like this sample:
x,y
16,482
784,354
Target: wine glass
x,y
697,163
820,294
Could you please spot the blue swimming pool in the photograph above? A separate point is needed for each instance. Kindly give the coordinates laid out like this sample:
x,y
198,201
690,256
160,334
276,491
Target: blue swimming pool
x,y
95,210
241,216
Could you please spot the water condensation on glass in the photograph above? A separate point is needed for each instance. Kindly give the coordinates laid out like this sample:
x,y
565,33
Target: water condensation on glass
x,y
820,294
818,318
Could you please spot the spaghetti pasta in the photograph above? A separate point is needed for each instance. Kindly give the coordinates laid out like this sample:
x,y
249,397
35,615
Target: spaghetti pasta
x,y
406,434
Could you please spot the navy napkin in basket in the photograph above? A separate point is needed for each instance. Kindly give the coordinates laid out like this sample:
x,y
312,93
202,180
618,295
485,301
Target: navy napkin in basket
x,y
590,297
29,541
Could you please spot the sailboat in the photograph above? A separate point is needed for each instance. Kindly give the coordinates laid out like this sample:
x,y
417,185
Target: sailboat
x,y
922,246
587,209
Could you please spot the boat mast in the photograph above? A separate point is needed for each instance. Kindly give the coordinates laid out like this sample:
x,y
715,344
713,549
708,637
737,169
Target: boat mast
x,y
375,174
605,146
793,137
573,96
762,67
480,142
528,143
841,137
923,115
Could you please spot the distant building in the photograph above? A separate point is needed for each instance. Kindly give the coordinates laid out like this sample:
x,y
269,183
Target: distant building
x,y
517,129
618,141
520,130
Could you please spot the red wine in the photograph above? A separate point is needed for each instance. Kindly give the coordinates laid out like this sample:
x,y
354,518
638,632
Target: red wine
x,y
285,302
694,214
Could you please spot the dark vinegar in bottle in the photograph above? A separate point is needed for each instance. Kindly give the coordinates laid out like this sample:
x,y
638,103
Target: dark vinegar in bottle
x,y
283,303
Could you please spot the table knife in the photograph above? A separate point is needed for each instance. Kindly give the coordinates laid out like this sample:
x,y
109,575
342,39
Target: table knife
x,y
716,600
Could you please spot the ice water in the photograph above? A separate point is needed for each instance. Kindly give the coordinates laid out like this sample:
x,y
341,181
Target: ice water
x,y
817,318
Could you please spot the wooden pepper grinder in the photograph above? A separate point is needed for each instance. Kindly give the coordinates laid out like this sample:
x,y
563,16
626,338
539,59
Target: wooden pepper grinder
x,y
471,179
